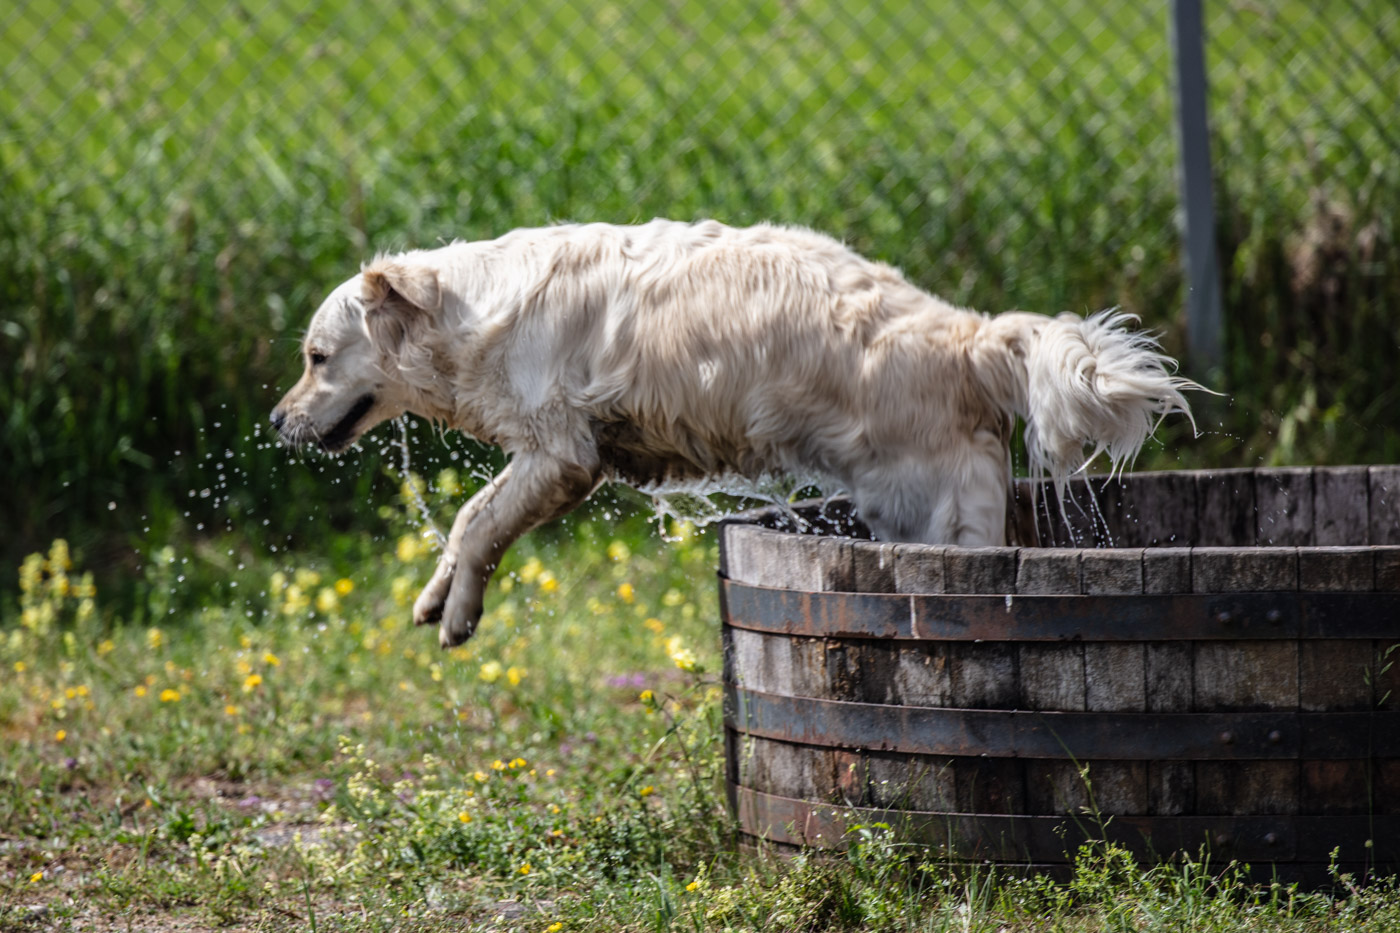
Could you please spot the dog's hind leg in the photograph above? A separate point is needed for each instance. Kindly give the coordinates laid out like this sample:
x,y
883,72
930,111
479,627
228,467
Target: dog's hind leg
x,y
957,496
536,488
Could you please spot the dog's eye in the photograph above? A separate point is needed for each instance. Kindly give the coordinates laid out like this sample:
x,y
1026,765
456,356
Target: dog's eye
x,y
317,358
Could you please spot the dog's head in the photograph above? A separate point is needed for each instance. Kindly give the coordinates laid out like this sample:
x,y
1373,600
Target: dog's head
x,y
360,353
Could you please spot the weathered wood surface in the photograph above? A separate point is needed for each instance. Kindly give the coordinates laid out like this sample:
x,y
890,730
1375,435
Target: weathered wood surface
x,y
1282,533
1249,508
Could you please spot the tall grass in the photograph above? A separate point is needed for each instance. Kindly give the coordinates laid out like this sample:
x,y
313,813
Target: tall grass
x,y
179,186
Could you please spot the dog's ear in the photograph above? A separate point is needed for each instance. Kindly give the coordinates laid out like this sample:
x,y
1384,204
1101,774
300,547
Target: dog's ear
x,y
385,279
398,298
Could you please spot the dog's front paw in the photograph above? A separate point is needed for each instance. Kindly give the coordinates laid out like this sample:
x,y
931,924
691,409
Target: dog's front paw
x,y
461,613
427,609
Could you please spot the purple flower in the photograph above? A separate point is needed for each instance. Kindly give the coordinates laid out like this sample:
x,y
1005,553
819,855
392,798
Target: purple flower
x,y
252,800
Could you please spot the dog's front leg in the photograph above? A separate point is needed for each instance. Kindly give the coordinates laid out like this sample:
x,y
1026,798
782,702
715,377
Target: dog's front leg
x,y
428,607
540,487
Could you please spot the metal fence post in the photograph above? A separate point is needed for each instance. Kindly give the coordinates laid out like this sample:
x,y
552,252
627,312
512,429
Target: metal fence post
x,y
1205,322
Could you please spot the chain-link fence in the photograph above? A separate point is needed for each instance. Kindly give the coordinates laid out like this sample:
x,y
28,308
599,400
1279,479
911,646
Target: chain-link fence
x,y
183,179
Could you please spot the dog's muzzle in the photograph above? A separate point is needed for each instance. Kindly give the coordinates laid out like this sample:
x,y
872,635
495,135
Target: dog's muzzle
x,y
297,431
339,437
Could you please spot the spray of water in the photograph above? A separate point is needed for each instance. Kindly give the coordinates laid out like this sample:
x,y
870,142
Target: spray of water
x,y
416,494
695,502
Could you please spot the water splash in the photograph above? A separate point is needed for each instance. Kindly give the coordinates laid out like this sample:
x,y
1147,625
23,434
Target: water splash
x,y
416,494
694,501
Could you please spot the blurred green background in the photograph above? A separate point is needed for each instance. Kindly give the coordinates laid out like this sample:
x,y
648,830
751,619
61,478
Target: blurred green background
x,y
182,181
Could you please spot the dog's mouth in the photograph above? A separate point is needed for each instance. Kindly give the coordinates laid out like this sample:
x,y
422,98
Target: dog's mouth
x,y
343,433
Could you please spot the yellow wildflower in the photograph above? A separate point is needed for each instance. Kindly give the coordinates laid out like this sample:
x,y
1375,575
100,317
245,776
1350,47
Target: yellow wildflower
x,y
464,817
230,710
554,927
20,667
547,582
297,600
448,483
344,586
524,869
626,593
693,886
252,682
59,558
140,690
490,671
154,638
170,695
327,600
407,548
105,647
655,625
531,571
60,735
518,763
619,551
498,765
515,675
36,877
646,696
401,588
481,776
271,659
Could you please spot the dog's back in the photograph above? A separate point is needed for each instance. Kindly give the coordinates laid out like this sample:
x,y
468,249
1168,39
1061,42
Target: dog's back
x,y
704,349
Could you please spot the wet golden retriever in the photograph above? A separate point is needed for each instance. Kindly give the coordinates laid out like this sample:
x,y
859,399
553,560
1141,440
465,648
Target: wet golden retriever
x,y
675,351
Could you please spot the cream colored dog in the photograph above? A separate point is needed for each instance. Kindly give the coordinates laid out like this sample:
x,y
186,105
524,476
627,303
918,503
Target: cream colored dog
x,y
673,351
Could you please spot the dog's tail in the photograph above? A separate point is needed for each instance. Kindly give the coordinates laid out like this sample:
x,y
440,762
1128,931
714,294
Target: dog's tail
x,y
1078,382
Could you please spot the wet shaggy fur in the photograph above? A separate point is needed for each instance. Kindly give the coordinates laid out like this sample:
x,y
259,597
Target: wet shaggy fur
x,y
673,351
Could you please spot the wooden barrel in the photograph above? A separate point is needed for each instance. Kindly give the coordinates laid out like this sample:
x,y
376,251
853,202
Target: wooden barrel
x,y
1215,676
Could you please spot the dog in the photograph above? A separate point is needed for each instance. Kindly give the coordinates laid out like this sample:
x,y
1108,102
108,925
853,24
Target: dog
x,y
671,352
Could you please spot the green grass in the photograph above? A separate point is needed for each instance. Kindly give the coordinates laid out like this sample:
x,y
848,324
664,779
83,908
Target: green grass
x,y
179,187
297,756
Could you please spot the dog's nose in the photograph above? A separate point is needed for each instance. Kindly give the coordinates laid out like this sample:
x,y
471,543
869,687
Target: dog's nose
x,y
279,418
